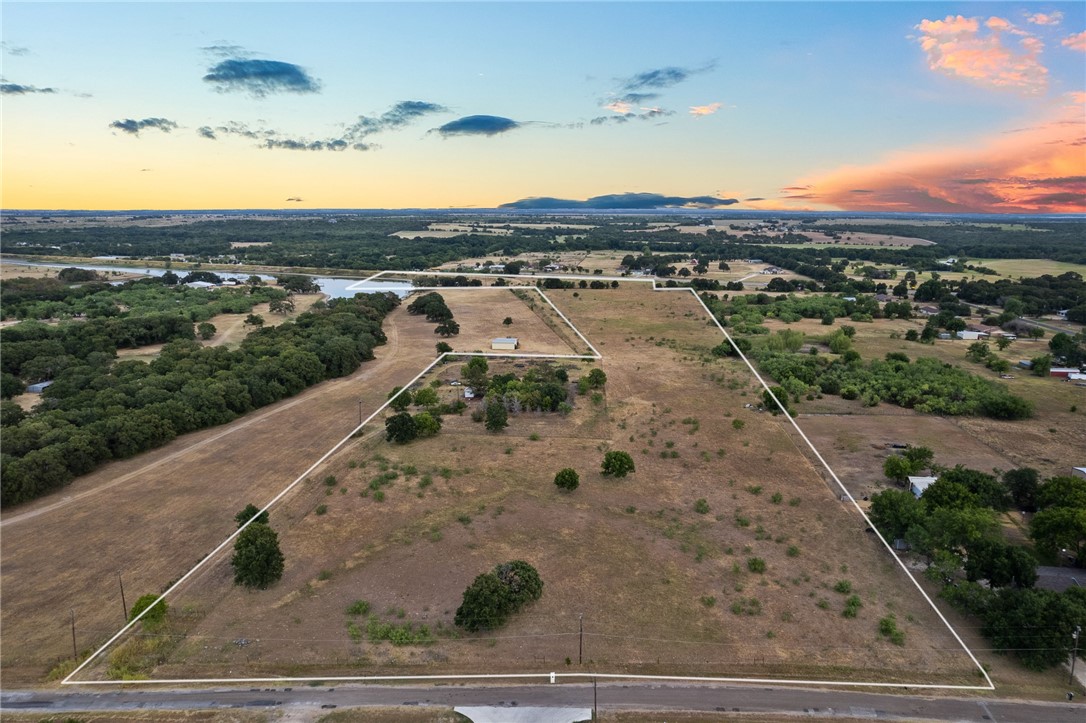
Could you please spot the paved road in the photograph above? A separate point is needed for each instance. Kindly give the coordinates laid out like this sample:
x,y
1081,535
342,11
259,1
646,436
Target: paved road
x,y
817,703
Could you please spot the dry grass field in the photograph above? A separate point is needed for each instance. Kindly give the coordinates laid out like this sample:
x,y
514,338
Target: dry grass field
x,y
665,565
149,519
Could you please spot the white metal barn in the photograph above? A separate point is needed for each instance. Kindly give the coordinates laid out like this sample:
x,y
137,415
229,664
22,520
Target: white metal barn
x,y
505,343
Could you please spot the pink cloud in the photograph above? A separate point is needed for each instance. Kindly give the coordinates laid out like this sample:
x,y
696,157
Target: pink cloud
x,y
619,106
1052,18
1039,169
1075,42
957,46
699,110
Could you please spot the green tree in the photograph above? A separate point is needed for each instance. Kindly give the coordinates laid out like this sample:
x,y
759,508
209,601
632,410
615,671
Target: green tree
x,y
1035,624
1042,365
426,397
155,615
427,425
10,385
895,512
567,479
254,320
507,321
782,398
401,428
474,373
443,347
1002,565
249,513
989,491
206,330
497,418
257,560
1003,342
596,378
399,403
521,581
446,328
1062,491
1060,528
946,493
897,468
1023,484
617,464
485,605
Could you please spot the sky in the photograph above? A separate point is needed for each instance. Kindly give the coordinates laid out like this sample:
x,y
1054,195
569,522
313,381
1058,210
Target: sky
x,y
968,107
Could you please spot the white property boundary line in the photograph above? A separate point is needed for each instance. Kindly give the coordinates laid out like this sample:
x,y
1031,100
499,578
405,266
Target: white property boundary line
x,y
359,286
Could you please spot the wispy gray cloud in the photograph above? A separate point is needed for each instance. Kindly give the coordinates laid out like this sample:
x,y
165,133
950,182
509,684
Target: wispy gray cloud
x,y
260,77
133,127
295,199
19,89
225,50
398,116
632,94
623,201
354,136
13,49
478,125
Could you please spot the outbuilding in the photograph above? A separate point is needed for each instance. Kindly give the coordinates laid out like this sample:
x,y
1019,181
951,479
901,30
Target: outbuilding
x,y
505,343
1078,472
39,387
917,485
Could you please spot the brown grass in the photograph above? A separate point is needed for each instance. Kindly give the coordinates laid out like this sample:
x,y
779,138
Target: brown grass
x,y
632,556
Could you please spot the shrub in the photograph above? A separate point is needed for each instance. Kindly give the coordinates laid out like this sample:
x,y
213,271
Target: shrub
x,y
843,586
155,616
756,564
567,479
701,506
248,513
358,607
888,628
617,464
852,606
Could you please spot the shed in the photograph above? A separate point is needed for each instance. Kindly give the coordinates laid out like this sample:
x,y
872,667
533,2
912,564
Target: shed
x,y
1063,372
505,343
969,335
37,388
917,485
1078,471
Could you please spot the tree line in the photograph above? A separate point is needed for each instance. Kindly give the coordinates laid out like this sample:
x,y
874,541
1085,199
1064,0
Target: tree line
x,y
98,409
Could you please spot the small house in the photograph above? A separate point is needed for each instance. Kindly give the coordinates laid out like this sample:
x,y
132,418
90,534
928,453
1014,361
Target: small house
x,y
506,343
917,485
39,387
929,310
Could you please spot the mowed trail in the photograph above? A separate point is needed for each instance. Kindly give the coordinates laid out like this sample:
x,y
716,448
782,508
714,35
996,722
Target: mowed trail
x,y
149,519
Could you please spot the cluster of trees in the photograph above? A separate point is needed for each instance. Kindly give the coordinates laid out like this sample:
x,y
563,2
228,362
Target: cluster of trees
x,y
434,308
927,385
98,409
1041,295
955,526
493,596
23,298
745,313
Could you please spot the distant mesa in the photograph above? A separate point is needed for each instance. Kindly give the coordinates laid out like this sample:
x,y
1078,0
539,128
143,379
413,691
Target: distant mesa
x,y
620,201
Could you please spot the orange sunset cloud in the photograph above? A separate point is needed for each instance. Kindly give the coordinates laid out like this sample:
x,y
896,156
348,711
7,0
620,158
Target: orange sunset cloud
x,y
1039,169
959,47
1075,42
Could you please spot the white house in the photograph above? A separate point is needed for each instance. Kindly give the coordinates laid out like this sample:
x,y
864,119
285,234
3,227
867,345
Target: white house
x,y
509,343
917,485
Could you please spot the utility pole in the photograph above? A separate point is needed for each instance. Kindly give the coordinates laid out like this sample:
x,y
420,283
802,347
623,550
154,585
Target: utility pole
x,y
1074,653
75,652
580,644
595,708
124,605
359,412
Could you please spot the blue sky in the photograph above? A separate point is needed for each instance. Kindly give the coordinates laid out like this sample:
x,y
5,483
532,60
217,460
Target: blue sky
x,y
104,104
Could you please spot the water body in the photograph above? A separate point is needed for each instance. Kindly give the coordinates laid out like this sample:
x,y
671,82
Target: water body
x,y
336,287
